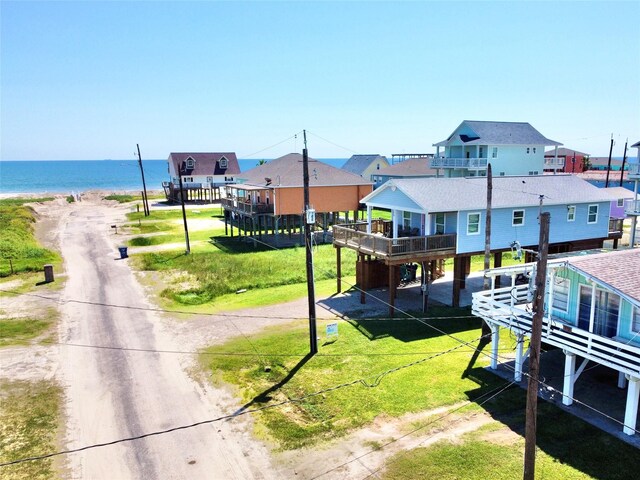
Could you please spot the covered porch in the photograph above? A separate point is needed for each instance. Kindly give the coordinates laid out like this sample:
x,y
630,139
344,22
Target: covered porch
x,y
510,308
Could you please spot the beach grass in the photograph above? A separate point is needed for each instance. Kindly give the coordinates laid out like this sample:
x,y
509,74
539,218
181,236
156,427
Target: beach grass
x,y
15,202
29,422
19,249
204,276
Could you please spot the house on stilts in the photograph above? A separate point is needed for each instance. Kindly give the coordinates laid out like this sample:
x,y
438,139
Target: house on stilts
x,y
268,199
202,175
591,313
433,219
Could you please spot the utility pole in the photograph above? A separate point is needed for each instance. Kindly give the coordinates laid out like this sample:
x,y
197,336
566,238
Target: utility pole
x,y
145,201
624,161
313,334
606,183
487,242
184,215
534,351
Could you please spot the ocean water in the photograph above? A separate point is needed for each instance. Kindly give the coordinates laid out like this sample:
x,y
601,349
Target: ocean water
x,y
66,176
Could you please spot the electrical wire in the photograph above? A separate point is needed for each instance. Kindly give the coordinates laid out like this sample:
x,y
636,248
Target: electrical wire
x,y
272,146
364,381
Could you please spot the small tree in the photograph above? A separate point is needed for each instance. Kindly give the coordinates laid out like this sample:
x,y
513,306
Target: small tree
x,y
586,163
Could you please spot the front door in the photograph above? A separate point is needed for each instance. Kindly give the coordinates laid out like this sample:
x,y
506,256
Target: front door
x,y
605,319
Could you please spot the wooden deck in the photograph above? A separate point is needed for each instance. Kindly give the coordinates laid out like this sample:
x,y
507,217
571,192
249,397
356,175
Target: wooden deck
x,y
355,237
239,206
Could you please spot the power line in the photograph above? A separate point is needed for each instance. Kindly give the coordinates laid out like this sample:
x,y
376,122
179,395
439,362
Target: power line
x,y
332,143
376,380
272,146
494,393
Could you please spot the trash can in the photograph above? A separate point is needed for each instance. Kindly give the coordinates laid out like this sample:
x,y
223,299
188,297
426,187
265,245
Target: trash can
x,y
123,252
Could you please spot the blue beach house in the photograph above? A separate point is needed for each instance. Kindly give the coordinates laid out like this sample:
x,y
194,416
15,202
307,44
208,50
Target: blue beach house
x,y
512,148
591,312
437,218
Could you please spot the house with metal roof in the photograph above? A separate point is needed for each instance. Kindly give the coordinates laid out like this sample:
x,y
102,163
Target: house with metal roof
x,y
201,174
565,160
591,313
512,148
271,196
436,218
417,167
366,165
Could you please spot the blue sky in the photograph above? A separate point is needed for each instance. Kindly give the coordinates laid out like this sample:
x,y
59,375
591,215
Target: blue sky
x,y
89,80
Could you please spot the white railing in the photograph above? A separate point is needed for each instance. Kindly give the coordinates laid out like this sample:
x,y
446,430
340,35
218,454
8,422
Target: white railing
x,y
553,162
499,307
632,207
469,163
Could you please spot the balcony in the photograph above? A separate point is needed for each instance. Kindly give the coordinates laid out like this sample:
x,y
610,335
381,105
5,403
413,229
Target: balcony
x,y
632,207
355,237
468,163
555,163
510,310
238,205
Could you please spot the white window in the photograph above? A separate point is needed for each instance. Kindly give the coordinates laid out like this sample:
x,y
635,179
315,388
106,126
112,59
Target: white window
x,y
209,179
440,223
406,219
621,202
635,322
481,152
494,152
473,223
571,213
561,288
502,174
592,216
517,218
191,163
188,179
224,163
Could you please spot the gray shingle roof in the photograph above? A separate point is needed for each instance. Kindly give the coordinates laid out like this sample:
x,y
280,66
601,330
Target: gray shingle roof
x,y
618,192
564,152
459,194
616,269
286,171
636,145
500,133
409,168
359,163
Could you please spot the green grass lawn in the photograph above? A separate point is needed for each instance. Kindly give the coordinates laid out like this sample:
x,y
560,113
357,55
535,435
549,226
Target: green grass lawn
x,y
567,448
271,367
19,249
364,349
19,331
29,422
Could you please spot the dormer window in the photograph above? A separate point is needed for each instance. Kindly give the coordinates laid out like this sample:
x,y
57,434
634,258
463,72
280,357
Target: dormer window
x,y
191,163
224,163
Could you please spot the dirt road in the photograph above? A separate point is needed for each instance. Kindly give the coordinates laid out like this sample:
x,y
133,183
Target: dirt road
x,y
114,394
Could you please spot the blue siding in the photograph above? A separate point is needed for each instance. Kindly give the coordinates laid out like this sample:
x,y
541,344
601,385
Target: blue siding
x,y
397,200
560,230
577,280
